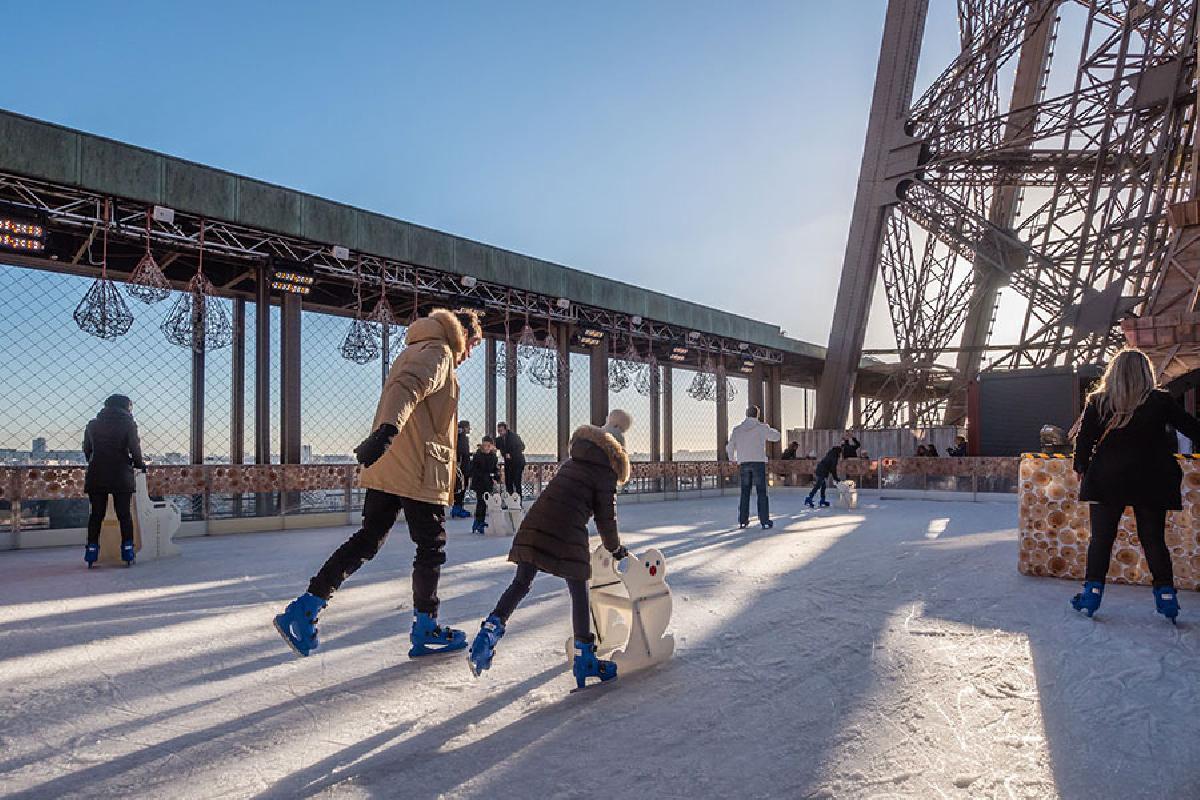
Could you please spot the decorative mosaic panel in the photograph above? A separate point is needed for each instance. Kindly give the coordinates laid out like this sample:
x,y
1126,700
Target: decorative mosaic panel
x,y
1054,528
50,483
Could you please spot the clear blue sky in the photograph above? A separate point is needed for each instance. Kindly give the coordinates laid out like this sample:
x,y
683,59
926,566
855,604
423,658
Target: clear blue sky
x,y
705,149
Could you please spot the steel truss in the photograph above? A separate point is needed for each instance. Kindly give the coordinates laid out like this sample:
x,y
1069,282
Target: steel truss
x,y
1051,199
248,250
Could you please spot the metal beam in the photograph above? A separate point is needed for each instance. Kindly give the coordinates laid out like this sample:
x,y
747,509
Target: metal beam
x,y
510,386
489,391
197,422
598,382
904,26
563,389
774,399
668,413
722,415
237,398
289,379
262,369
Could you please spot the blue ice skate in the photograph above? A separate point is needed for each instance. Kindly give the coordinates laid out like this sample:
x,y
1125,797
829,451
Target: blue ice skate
x,y
808,502
1166,600
1089,599
479,527
458,512
824,504
91,552
484,646
586,666
428,637
127,553
298,623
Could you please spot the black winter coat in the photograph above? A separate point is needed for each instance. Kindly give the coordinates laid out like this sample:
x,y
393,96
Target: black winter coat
x,y
463,451
113,450
484,472
554,534
828,465
511,446
1134,465
850,448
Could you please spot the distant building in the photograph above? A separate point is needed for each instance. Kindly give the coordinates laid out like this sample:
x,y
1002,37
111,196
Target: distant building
x,y
306,454
39,448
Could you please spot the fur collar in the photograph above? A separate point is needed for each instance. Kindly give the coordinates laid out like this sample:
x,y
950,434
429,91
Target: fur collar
x,y
617,457
440,324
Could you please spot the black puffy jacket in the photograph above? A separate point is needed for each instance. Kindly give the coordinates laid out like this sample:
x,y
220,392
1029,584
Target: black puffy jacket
x,y
113,450
483,472
554,534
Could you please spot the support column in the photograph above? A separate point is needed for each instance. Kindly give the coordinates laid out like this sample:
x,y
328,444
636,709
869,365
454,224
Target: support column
x,y
510,386
489,389
655,412
722,415
237,399
598,381
563,390
668,413
856,412
289,378
755,390
197,422
385,355
903,29
262,369
775,408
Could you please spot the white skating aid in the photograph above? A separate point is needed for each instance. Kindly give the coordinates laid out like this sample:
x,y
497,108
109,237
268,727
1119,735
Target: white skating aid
x,y
631,610
498,521
847,492
513,510
155,522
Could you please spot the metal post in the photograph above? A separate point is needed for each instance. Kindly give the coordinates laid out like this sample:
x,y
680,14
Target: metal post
x,y
668,413
510,386
237,399
262,382
655,413
563,389
197,439
856,411
385,355
775,408
598,381
489,392
722,415
289,379
903,29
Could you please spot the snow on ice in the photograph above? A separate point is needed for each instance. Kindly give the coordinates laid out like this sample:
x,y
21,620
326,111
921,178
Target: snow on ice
x,y
888,652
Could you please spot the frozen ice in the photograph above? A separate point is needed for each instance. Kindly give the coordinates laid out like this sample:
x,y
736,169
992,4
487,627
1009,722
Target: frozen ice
x,y
892,651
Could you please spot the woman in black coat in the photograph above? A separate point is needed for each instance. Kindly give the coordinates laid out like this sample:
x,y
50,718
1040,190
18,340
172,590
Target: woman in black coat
x,y
113,451
1125,456
484,473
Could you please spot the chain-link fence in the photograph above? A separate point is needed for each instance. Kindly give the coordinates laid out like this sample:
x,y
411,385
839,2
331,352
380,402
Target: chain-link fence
x,y
693,422
797,406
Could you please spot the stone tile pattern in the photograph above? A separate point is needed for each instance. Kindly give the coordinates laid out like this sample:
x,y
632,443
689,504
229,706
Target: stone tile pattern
x,y
1054,527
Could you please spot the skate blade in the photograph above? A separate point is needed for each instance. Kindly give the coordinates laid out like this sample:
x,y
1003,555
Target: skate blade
x,y
588,686
288,639
420,650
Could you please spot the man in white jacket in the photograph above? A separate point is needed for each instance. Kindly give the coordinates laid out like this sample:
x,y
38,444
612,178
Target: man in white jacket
x,y
748,446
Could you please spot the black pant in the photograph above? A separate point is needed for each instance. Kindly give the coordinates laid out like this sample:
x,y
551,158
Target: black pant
x,y
121,501
514,471
1151,532
819,485
480,508
581,614
426,527
751,474
460,486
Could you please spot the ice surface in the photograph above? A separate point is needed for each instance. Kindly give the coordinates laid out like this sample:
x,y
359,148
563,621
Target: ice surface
x,y
890,652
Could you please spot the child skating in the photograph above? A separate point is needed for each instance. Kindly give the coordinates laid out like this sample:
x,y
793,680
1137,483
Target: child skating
x,y
553,538
826,469
484,473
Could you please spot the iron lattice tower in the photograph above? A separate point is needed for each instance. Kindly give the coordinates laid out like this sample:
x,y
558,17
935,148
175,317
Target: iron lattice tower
x,y
1030,181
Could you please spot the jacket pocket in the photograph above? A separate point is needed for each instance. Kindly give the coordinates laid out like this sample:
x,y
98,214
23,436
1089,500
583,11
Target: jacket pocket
x,y
437,467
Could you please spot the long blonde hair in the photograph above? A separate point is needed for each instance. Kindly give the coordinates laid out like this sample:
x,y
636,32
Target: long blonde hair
x,y
1127,382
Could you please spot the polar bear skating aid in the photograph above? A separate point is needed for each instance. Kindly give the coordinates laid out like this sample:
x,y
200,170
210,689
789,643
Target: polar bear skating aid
x,y
513,510
498,521
631,610
847,494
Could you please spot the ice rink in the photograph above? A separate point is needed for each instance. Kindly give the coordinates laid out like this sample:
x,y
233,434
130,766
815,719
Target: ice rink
x,y
890,652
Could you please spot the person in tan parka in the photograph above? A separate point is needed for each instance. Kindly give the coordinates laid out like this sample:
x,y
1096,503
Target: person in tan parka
x,y
408,464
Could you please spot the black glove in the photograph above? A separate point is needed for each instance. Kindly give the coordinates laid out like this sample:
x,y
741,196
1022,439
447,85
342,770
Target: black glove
x,y
375,445
621,553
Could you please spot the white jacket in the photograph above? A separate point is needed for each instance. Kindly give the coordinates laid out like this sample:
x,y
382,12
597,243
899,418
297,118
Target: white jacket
x,y
748,441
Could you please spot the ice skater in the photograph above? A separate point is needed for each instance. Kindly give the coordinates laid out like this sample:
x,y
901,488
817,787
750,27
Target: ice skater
x,y
408,466
554,538
747,446
512,448
113,451
463,451
484,472
826,469
1125,456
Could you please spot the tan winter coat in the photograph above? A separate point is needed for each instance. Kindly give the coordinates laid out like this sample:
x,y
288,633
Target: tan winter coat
x,y
420,398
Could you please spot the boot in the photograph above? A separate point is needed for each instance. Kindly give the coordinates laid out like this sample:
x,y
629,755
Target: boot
x,y
484,646
478,527
808,502
458,512
1166,601
1089,599
91,552
428,637
586,665
298,623
127,553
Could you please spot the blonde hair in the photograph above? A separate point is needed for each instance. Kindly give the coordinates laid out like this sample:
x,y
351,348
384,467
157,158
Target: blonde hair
x,y
1125,385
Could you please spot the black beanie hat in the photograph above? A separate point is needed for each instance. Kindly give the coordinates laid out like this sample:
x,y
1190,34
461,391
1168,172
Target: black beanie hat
x,y
118,401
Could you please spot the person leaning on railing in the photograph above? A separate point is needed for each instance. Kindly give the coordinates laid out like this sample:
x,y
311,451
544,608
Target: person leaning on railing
x,y
113,451
1125,456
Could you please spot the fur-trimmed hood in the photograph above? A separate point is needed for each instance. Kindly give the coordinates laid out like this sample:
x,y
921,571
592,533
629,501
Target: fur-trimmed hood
x,y
588,439
439,324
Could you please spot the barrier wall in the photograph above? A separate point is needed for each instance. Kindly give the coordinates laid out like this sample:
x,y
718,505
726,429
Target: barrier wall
x,y
1054,528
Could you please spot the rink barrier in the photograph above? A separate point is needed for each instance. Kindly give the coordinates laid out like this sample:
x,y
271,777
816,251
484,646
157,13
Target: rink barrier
x,y
232,498
1054,527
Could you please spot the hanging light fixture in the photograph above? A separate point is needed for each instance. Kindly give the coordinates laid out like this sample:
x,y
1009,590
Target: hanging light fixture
x,y
360,345
619,375
147,281
644,382
102,312
546,366
198,320
402,337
